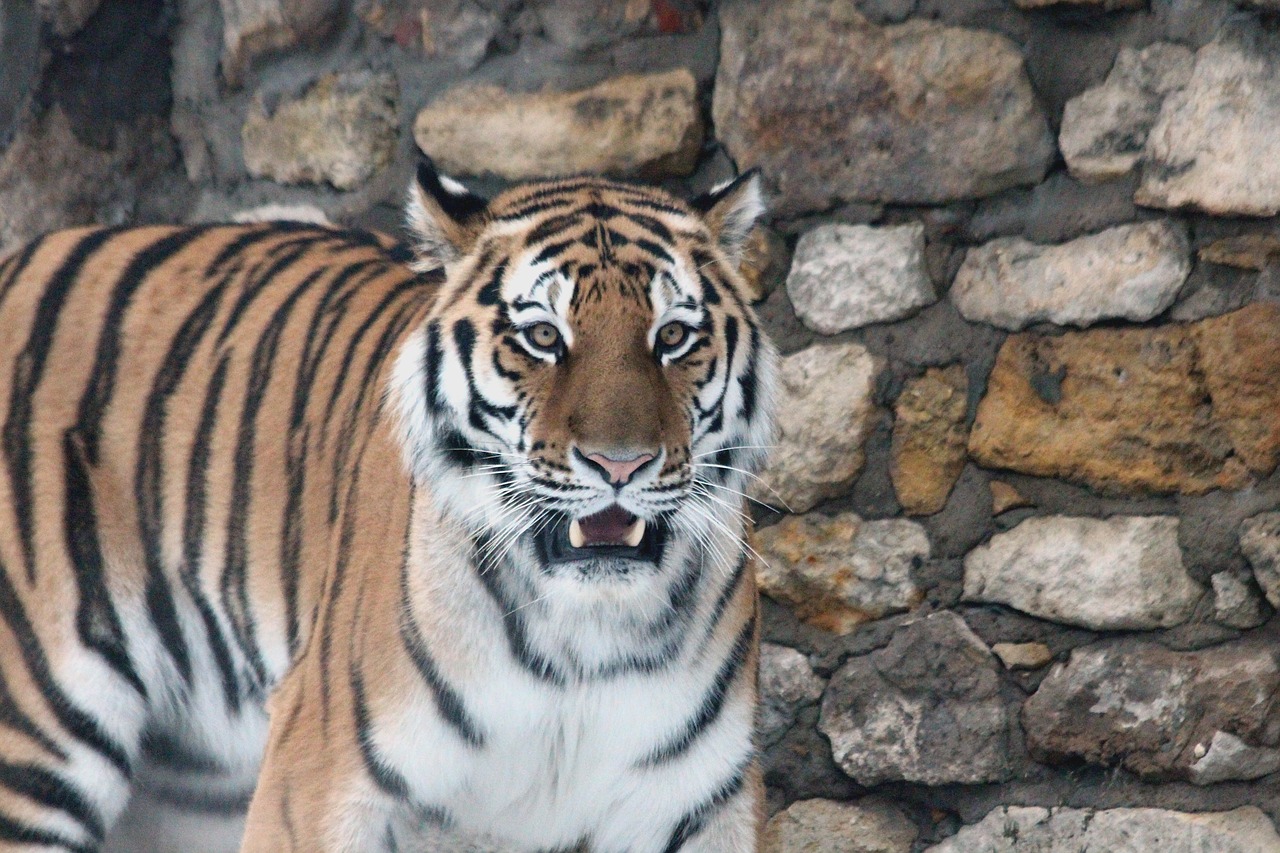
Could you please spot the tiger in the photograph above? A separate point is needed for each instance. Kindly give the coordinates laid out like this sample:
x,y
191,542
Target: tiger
x,y
316,540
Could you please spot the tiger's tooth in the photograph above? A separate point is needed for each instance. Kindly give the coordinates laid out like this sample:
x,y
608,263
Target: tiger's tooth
x,y
576,539
635,533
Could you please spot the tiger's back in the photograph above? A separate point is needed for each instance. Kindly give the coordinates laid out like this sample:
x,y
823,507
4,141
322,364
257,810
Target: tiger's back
x,y
183,412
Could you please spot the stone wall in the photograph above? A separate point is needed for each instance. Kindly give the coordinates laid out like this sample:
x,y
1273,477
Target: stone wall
x,y
1021,535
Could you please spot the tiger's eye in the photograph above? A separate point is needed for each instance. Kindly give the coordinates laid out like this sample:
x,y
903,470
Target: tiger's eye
x,y
672,335
544,336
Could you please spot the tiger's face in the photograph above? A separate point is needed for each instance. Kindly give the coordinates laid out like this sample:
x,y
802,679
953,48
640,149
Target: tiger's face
x,y
591,383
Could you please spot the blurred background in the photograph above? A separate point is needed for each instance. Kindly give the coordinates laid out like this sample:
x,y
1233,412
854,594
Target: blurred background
x,y
1022,528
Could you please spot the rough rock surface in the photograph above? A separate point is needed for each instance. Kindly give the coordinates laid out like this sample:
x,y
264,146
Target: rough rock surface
x,y
1214,146
461,30
1169,409
1246,251
647,125
1023,655
50,180
1005,497
586,25
825,409
1031,829
848,276
786,682
1100,5
1157,712
836,108
342,130
1260,542
1122,573
1130,272
926,708
930,439
825,826
839,572
1235,603
253,28
1105,129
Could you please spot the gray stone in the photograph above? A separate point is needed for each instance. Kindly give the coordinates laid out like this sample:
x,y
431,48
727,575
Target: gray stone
x,y
459,30
49,180
1260,542
1158,712
1130,272
847,276
1031,829
1105,129
825,826
581,26
1122,573
826,407
838,572
1235,604
647,125
19,62
1227,758
342,130
254,28
1100,5
835,108
926,708
1214,146
786,682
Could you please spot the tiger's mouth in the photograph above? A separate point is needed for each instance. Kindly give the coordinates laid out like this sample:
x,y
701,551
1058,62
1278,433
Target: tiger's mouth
x,y
613,533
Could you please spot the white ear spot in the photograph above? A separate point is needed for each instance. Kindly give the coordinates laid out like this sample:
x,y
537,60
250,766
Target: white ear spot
x,y
454,187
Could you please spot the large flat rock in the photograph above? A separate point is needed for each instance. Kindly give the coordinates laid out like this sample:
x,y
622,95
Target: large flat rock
x,y
1124,572
1204,716
1031,829
1176,408
836,108
1215,146
1130,272
636,124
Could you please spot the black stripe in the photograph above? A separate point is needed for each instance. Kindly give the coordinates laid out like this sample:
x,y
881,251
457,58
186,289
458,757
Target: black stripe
x,y
149,472
249,236
52,792
11,717
384,776
16,265
431,366
193,523
513,621
79,724
330,311
748,381
712,703
280,257
21,833
97,622
27,373
447,700
730,588
696,820
234,582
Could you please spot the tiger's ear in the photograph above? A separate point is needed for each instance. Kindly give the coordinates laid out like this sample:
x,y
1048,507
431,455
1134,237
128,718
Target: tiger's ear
x,y
731,210
444,216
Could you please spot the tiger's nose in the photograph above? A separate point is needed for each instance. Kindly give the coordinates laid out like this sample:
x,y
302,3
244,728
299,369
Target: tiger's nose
x,y
619,470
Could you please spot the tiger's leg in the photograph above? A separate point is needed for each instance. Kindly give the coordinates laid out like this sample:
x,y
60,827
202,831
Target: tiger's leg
x,y
70,724
729,822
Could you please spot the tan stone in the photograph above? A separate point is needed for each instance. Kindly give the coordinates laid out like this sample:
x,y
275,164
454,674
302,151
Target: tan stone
x,y
341,130
1178,408
1005,497
836,573
647,125
826,826
929,439
1246,252
1101,5
1023,655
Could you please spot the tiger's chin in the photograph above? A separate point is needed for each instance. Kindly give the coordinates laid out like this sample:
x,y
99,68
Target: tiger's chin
x,y
605,545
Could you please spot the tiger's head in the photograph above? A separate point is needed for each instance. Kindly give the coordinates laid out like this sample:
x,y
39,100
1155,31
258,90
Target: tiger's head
x,y
591,384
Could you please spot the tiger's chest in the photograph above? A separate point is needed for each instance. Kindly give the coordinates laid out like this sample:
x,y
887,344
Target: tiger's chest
x,y
564,765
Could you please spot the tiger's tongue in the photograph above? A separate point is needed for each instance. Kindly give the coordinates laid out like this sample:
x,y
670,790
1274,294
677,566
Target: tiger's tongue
x,y
607,527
